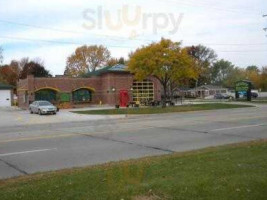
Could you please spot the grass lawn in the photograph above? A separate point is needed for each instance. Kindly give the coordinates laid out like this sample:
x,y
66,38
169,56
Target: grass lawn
x,y
156,110
236,172
260,101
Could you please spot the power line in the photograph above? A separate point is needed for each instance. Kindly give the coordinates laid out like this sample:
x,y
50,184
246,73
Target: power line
x,y
115,46
233,44
116,38
248,51
199,4
80,43
56,42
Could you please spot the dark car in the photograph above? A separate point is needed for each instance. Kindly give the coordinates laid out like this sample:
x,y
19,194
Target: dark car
x,y
253,95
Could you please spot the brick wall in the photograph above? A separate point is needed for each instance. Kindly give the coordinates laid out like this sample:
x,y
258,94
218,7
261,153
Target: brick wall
x,y
102,86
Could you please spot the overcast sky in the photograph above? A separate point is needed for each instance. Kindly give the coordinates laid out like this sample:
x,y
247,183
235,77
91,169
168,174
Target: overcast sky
x,y
53,29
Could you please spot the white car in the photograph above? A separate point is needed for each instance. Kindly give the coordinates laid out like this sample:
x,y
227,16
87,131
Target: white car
x,y
42,107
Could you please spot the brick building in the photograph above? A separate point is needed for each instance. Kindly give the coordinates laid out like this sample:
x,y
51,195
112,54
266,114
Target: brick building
x,y
110,85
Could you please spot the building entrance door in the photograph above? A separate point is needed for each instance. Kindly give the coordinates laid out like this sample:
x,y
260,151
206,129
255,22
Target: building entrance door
x,y
124,98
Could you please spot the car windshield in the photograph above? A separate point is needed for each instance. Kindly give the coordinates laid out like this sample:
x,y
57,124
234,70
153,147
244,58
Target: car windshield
x,y
44,103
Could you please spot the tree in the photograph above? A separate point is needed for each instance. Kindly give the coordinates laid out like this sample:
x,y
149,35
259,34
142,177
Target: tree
x,y
112,62
221,69
34,68
253,68
254,76
166,61
263,83
23,62
1,55
86,59
115,61
237,74
204,58
122,61
10,73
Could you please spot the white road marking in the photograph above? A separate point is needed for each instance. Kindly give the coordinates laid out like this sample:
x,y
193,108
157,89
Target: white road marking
x,y
237,127
25,152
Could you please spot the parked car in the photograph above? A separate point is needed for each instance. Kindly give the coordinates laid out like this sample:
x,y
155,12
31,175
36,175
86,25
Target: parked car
x,y
222,96
253,95
42,107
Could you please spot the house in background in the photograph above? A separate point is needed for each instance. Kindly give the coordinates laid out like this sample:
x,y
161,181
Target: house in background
x,y
203,91
208,90
6,95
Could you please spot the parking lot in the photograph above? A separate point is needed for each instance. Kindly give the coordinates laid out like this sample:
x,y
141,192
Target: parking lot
x,y
17,117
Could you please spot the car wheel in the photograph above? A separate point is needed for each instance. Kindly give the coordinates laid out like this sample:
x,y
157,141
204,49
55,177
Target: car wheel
x,y
31,111
54,113
39,112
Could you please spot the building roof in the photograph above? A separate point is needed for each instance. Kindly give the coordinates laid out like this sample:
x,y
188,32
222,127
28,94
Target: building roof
x,y
210,87
5,86
115,68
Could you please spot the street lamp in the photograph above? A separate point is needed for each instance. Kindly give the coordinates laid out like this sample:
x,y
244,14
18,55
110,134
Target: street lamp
x,y
113,89
131,96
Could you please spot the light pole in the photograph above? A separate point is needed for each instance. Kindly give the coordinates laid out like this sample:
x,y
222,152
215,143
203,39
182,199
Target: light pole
x,y
131,93
131,101
113,89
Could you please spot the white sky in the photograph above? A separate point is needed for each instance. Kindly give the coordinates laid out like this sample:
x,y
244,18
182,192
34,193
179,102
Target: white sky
x,y
52,29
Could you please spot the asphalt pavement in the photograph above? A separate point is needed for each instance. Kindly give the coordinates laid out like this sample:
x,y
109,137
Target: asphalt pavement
x,y
31,148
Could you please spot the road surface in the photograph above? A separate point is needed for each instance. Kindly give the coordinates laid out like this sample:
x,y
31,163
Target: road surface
x,y
27,149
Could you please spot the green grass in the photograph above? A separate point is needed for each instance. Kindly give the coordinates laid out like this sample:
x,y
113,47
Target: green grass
x,y
157,110
260,101
228,172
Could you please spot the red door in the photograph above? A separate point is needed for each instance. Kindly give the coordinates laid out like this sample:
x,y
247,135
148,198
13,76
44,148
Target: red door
x,y
124,98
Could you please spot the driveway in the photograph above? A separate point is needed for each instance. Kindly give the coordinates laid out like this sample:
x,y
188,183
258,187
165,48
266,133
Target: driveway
x,y
17,117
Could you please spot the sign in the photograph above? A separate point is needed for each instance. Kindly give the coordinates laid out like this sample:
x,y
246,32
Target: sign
x,y
242,86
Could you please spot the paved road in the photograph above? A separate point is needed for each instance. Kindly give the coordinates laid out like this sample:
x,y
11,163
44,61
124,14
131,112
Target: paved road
x,y
44,147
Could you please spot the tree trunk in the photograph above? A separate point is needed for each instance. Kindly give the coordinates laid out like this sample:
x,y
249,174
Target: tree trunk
x,y
164,96
172,92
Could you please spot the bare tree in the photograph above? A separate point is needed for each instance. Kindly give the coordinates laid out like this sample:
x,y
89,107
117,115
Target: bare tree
x,y
23,62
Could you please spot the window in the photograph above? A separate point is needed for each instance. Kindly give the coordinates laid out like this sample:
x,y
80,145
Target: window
x,y
143,91
82,95
46,95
